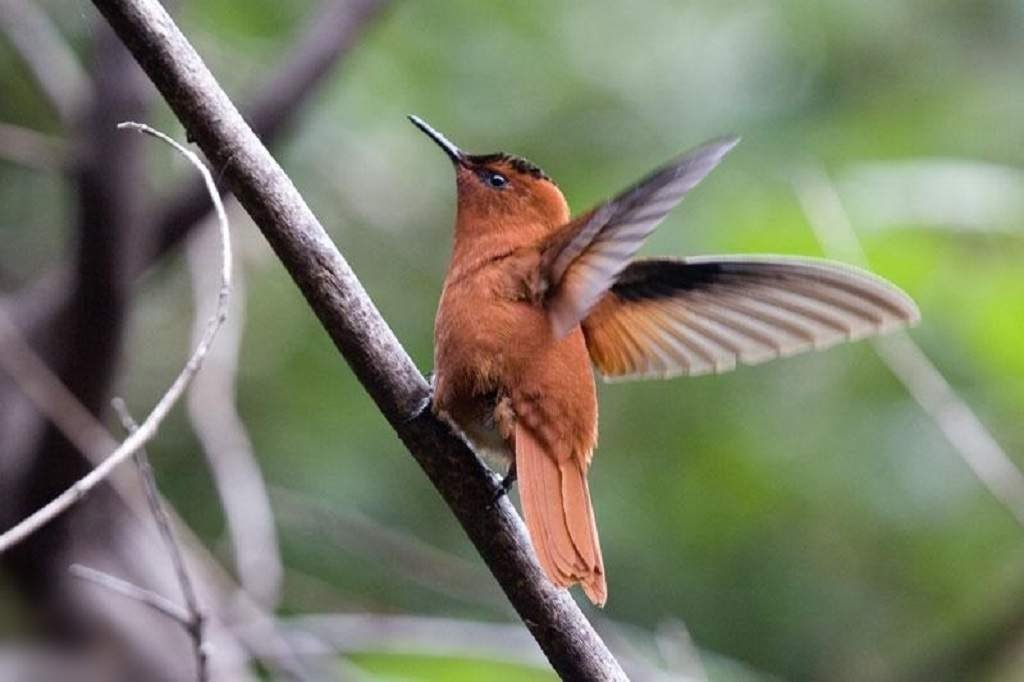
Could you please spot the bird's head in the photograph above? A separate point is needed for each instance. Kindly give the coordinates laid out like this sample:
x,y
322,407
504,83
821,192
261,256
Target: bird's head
x,y
500,192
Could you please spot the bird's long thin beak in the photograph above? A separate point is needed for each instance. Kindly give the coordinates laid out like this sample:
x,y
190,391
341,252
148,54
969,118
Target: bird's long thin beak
x,y
453,152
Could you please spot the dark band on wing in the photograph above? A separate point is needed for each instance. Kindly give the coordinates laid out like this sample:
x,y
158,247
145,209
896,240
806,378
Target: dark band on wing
x,y
666,317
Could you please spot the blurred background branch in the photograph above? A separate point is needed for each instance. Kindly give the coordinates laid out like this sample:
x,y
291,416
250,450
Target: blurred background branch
x,y
47,55
75,316
954,418
273,109
225,441
32,149
194,620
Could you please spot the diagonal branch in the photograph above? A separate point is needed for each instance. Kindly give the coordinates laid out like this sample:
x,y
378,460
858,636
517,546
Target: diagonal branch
x,y
195,620
979,450
153,600
359,332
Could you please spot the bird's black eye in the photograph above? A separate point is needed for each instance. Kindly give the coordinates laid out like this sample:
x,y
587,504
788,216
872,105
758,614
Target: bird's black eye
x,y
496,180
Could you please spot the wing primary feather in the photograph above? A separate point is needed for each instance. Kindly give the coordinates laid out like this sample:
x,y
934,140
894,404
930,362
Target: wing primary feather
x,y
665,317
692,342
756,306
697,338
588,254
749,309
837,298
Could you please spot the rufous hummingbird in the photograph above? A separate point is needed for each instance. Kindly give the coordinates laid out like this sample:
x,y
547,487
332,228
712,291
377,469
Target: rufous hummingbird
x,y
533,299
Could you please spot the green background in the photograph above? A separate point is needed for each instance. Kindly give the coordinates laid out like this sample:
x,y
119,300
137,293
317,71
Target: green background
x,y
804,519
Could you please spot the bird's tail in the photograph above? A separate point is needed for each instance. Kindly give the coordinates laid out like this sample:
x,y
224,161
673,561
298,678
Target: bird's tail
x,y
559,516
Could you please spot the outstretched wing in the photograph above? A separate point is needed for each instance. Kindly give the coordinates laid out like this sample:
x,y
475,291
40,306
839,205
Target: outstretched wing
x,y
585,257
668,317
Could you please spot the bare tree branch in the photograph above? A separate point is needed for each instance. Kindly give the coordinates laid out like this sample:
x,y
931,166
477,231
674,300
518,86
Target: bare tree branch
x,y
962,428
74,321
72,317
358,330
233,606
47,55
195,620
225,441
149,427
155,601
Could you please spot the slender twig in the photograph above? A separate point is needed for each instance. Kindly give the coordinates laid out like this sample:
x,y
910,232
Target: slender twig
x,y
59,405
195,622
46,54
905,359
157,602
149,427
360,333
224,438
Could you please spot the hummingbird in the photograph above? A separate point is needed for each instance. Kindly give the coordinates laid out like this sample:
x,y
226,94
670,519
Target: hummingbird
x,y
534,301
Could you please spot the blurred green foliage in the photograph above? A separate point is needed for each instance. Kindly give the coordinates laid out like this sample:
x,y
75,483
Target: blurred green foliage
x,y
804,517
440,669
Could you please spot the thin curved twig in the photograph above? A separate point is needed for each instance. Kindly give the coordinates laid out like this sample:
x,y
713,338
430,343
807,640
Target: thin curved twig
x,y
153,600
147,430
195,620
234,607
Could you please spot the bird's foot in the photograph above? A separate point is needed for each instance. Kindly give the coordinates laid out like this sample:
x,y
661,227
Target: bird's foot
x,y
504,485
425,405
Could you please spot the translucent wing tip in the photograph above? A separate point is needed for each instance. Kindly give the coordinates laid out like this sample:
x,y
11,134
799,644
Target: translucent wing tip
x,y
716,148
726,142
694,165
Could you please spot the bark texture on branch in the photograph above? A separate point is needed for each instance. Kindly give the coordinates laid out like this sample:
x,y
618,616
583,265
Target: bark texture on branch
x,y
359,332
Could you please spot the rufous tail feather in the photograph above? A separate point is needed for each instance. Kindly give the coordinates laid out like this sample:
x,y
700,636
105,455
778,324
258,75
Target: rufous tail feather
x,y
559,516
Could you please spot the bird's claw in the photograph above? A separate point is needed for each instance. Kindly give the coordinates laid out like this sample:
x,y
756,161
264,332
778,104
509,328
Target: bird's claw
x,y
504,486
425,406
